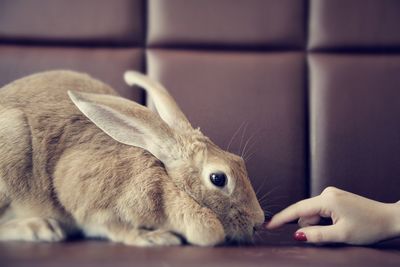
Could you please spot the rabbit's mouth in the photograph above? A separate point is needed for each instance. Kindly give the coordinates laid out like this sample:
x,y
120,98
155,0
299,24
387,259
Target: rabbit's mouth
x,y
240,236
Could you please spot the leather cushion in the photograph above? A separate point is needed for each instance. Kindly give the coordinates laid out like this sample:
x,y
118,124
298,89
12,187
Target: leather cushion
x,y
254,23
355,129
107,65
355,24
63,21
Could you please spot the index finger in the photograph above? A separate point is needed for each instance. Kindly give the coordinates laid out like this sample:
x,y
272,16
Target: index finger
x,y
303,208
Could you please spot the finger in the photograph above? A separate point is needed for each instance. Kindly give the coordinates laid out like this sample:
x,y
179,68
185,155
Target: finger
x,y
308,221
305,208
319,234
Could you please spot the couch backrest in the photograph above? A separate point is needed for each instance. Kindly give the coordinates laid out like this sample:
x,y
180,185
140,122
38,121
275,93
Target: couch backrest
x,y
313,87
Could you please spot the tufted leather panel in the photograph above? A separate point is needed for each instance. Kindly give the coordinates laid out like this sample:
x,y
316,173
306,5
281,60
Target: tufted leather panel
x,y
106,64
252,23
92,22
257,96
355,101
355,129
354,24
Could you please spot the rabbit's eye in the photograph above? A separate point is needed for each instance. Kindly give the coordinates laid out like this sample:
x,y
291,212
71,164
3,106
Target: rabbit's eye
x,y
218,179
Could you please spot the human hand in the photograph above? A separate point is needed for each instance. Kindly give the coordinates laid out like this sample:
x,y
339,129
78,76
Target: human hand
x,y
355,220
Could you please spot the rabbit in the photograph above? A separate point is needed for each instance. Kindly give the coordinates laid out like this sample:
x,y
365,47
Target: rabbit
x,y
75,157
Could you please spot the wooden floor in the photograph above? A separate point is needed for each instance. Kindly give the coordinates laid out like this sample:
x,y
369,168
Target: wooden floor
x,y
271,249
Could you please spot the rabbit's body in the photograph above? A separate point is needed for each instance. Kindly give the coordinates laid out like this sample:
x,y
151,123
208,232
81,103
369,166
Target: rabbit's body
x,y
60,173
54,187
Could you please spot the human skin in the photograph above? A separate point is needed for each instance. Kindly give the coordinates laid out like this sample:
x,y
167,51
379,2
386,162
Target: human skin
x,y
356,220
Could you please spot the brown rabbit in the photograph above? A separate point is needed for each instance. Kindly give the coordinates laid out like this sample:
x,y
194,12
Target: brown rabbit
x,y
109,167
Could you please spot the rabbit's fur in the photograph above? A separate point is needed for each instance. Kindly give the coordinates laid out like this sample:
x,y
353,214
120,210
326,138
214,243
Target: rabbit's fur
x,y
90,161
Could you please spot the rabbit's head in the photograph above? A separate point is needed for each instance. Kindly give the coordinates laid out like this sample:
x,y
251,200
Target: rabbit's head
x,y
214,178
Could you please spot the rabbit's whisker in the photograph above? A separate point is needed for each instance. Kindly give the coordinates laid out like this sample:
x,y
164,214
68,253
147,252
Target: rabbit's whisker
x,y
243,153
269,192
251,144
249,149
234,135
242,137
247,158
263,184
259,188
265,198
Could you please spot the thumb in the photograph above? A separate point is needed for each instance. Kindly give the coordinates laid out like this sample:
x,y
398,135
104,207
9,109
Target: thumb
x,y
319,234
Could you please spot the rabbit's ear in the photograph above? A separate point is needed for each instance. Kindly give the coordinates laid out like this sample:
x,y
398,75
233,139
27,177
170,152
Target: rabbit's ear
x,y
164,102
127,122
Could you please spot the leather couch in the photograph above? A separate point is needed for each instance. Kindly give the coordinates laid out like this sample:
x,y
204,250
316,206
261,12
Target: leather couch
x,y
312,87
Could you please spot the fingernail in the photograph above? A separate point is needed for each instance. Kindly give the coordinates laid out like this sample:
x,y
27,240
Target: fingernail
x,y
300,236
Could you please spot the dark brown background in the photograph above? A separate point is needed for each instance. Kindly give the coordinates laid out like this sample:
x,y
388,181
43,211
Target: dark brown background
x,y
316,83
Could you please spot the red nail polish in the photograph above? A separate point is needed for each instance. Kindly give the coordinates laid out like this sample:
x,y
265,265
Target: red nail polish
x,y
300,236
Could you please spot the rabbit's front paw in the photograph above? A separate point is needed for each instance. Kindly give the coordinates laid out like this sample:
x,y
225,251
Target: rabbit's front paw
x,y
152,238
32,229
208,232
